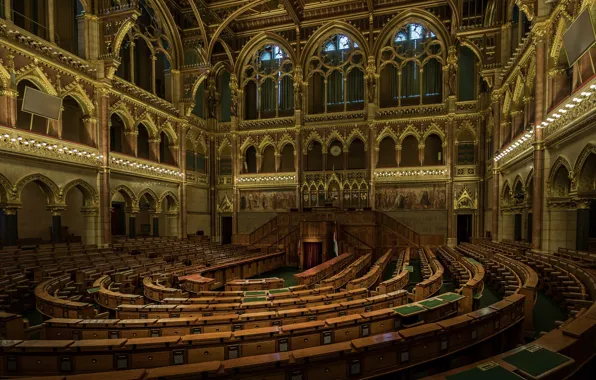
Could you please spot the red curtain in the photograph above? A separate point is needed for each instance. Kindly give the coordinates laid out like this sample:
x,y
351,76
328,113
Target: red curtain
x,y
312,254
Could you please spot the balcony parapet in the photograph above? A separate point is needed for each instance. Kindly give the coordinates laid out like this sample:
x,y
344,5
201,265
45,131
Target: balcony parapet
x,y
31,144
411,174
135,165
266,179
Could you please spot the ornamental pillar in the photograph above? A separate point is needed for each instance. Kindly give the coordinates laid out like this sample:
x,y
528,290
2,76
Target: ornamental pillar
x,y
540,112
154,149
8,107
130,138
132,223
421,154
155,225
373,154
582,235
153,79
105,201
90,234
181,156
11,230
89,124
56,223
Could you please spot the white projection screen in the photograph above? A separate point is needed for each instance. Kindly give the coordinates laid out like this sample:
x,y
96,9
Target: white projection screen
x,y
41,104
579,37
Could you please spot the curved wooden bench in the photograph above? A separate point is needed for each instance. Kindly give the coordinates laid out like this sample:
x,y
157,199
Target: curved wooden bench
x,y
362,357
50,305
251,304
110,299
347,274
375,273
432,283
400,275
157,292
255,284
322,271
62,327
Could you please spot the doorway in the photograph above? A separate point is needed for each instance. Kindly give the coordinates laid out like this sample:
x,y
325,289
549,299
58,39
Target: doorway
x,y
226,230
517,227
118,219
464,228
313,254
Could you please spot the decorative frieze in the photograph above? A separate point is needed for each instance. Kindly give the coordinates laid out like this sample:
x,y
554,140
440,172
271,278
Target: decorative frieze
x,y
200,178
262,179
415,111
335,116
466,171
411,174
143,167
24,142
279,122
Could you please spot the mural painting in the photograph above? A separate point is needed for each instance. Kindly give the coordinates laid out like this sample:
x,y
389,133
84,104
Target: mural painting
x,y
267,201
412,197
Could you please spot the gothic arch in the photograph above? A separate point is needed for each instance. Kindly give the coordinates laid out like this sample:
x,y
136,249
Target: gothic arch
x,y
387,132
285,139
90,195
434,129
313,136
193,93
149,124
36,76
583,170
169,130
247,144
129,196
506,191
224,143
122,111
173,197
356,133
560,162
150,195
80,96
518,180
411,131
259,40
329,29
265,142
47,185
6,189
427,19
466,126
335,135
4,77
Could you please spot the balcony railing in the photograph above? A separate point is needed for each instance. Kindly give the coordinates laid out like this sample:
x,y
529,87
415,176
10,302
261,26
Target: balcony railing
x,y
422,173
466,170
36,145
264,179
141,166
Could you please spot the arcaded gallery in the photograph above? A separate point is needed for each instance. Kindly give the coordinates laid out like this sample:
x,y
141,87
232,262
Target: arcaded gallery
x,y
297,189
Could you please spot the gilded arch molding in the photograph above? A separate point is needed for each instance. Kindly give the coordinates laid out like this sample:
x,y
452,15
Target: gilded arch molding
x,y
129,196
48,186
560,162
90,195
258,41
329,29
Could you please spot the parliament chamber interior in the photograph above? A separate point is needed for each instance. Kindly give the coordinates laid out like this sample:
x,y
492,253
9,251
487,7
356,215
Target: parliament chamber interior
x,y
297,189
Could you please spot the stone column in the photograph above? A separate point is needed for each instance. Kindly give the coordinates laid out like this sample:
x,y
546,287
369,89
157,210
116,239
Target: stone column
x,y
373,152
131,142
298,163
132,224
183,195
153,79
8,107
8,11
90,136
398,154
155,224
496,109
259,162
154,149
582,236
277,162
132,62
451,230
421,154
11,231
172,224
105,201
56,223
540,111
51,8
212,185
90,235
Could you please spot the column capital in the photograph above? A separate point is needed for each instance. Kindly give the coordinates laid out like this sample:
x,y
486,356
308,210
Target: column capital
x,y
57,210
90,211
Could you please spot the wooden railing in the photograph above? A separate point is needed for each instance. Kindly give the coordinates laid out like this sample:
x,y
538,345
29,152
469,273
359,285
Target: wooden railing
x,y
399,228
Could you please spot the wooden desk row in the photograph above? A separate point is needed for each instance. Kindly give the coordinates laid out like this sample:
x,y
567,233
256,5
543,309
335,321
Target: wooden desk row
x,y
341,278
249,305
51,306
208,297
374,275
432,284
216,276
401,274
61,328
320,272
110,299
333,357
255,284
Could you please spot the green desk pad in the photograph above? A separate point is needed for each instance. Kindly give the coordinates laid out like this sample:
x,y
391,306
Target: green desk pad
x,y
409,268
256,293
408,309
431,303
536,360
277,291
471,260
449,297
254,299
485,371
